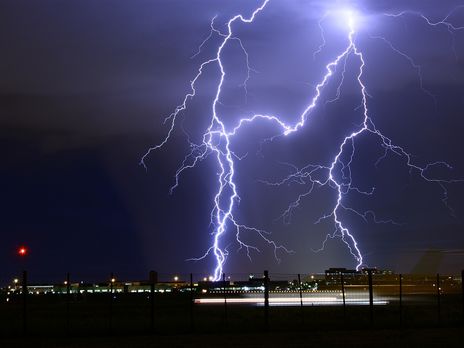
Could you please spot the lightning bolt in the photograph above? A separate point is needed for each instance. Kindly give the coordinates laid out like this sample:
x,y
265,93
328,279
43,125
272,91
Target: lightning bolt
x,y
445,22
217,141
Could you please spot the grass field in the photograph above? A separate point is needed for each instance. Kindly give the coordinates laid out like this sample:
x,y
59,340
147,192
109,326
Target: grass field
x,y
129,314
431,337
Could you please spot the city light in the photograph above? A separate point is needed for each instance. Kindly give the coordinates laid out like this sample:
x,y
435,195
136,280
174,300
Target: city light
x,y
289,301
22,251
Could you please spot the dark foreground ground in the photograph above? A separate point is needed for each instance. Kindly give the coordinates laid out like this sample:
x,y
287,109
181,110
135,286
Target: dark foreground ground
x,y
438,337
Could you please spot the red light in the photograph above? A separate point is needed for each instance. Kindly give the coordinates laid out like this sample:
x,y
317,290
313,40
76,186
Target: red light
x,y
22,251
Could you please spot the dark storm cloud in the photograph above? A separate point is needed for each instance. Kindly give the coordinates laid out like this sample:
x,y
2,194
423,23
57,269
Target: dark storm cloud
x,y
85,85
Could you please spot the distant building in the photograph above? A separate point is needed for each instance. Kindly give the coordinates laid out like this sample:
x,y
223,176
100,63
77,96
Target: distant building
x,y
377,271
333,276
354,277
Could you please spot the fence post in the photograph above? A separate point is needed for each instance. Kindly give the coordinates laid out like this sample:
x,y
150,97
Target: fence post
x,y
153,277
401,300
192,302
342,280
225,298
25,292
462,288
111,302
371,297
301,298
68,303
266,299
438,299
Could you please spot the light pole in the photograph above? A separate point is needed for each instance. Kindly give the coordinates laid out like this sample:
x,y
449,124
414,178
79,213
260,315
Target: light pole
x,y
23,251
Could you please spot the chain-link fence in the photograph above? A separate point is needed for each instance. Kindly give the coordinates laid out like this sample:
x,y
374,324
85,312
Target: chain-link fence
x,y
173,303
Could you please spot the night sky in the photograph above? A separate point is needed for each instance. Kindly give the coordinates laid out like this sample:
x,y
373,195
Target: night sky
x,y
84,89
